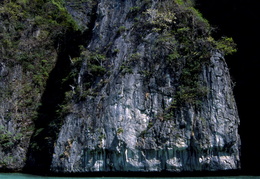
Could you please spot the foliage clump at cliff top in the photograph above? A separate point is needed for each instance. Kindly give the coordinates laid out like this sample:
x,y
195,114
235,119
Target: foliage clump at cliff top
x,y
185,37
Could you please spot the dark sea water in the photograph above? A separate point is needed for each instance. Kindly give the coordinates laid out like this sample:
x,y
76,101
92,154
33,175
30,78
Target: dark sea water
x,y
26,176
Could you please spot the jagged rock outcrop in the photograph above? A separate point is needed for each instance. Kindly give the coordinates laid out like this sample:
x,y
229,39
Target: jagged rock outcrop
x,y
124,126
139,86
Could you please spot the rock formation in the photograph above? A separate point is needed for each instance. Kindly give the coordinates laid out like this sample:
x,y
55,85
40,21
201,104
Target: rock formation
x,y
148,91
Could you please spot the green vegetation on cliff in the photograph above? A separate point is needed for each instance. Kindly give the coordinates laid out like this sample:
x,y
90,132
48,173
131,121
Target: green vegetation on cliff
x,y
43,45
31,35
186,37
34,35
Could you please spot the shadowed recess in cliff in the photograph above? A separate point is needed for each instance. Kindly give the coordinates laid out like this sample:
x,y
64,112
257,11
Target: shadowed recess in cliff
x,y
49,120
61,79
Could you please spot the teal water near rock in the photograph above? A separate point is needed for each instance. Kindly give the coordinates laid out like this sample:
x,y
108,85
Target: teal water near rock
x,y
26,176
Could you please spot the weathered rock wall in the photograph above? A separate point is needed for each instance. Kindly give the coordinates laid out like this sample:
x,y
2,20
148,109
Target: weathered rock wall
x,y
13,143
127,86
124,126
27,56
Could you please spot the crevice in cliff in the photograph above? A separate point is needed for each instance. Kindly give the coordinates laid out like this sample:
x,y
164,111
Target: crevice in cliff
x,y
50,114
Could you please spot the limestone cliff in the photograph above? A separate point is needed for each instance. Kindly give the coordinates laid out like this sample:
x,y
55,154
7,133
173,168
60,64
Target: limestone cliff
x,y
147,90
128,125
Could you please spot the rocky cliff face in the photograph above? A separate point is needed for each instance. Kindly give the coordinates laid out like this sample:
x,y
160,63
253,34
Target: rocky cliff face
x,y
128,125
150,91
122,130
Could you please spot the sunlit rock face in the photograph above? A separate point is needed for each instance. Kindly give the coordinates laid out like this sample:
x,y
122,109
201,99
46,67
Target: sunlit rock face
x,y
132,118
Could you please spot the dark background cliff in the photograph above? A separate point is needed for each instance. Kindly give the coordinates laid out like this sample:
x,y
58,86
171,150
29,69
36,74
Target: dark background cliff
x,y
239,19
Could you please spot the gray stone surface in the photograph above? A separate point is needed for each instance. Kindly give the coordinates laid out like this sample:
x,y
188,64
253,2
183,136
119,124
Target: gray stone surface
x,y
121,129
121,125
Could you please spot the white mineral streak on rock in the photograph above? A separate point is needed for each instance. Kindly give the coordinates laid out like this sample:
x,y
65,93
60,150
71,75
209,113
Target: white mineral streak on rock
x,y
174,162
98,165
